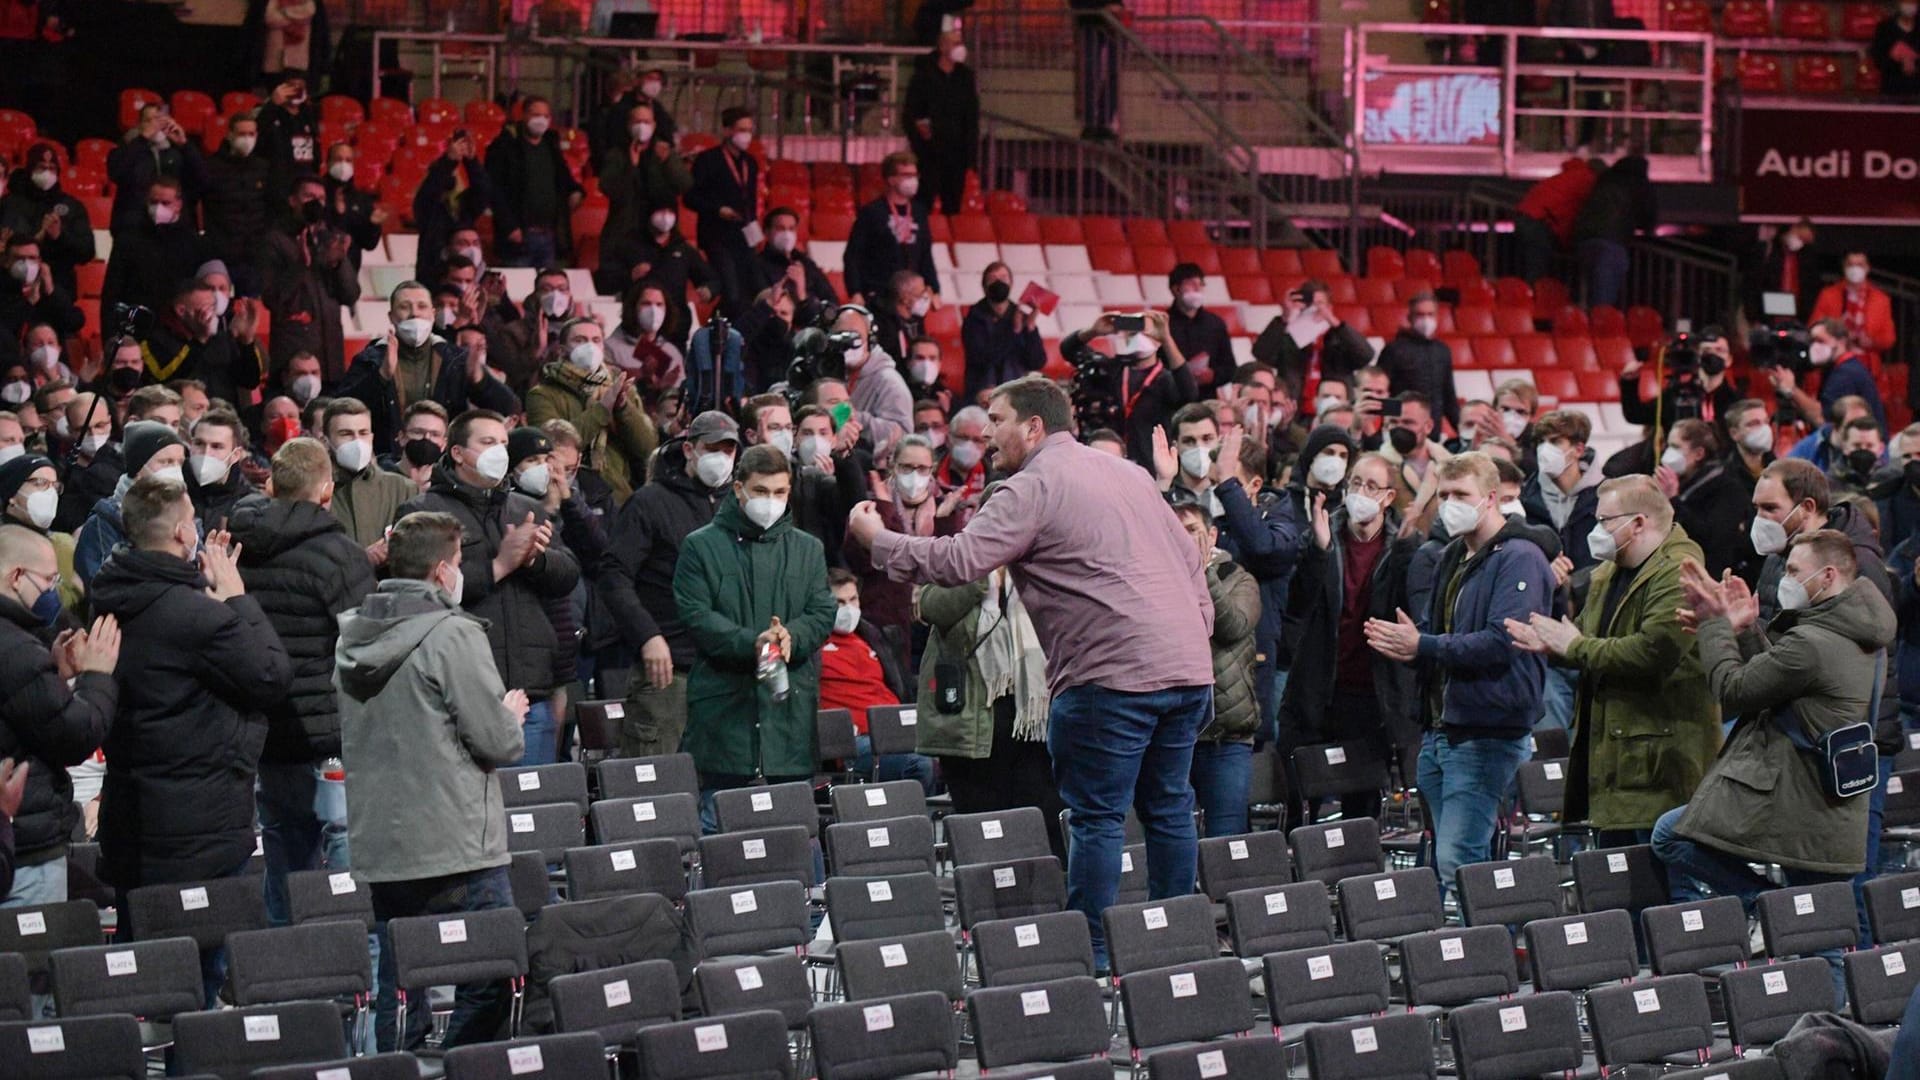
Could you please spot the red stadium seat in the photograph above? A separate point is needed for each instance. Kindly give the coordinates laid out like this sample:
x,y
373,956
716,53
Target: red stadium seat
x,y
1571,322
1446,319
832,174
1805,20
80,182
1250,288
1424,264
1598,385
1645,328
1385,263
92,152
341,109
1549,296
437,110
1016,228
943,321
1688,16
390,111
1474,320
1759,74
1576,353
1341,290
1605,321
1185,231
1356,316
132,100
1817,75
1859,21
1745,19
193,109
1535,351
971,228
1059,229
1202,255
788,173
1150,231
238,101
1866,76
90,276
1322,263
1556,383
1282,261
1614,352
99,209
1155,259
831,226
1387,318
1112,258
1513,320
1376,290
1231,316
1513,292
1006,203
1239,260
1458,268
1495,352
1284,284
1103,230
1462,348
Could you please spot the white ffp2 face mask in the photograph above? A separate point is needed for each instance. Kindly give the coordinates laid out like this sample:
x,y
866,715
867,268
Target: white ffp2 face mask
x,y
846,618
492,463
764,511
1459,517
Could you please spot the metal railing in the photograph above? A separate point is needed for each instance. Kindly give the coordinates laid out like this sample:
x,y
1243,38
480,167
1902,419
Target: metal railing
x,y
712,19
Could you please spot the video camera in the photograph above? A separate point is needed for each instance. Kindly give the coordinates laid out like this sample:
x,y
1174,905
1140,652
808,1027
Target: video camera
x,y
128,321
817,352
1094,385
1781,345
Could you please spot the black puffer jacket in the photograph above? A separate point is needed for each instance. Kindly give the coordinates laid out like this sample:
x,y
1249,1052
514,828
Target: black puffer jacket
x,y
515,607
195,675
48,726
636,579
304,570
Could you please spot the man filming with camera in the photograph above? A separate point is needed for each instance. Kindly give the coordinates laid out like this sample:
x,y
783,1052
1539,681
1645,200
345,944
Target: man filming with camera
x,y
1844,374
1792,681
1138,387
1696,386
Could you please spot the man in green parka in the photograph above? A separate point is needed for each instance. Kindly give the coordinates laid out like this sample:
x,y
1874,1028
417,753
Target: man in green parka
x,y
1645,725
746,579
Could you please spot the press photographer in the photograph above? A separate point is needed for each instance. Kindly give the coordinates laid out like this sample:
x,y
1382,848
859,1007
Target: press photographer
x,y
1845,374
1137,386
1694,384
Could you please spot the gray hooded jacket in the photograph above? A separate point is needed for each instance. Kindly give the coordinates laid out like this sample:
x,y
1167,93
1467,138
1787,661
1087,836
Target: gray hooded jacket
x,y
422,729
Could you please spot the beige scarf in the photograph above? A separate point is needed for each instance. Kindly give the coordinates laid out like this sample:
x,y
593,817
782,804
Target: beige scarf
x,y
1010,659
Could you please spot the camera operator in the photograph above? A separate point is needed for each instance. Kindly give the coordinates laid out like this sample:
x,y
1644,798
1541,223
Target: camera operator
x,y
1137,389
1845,374
309,279
881,401
1696,383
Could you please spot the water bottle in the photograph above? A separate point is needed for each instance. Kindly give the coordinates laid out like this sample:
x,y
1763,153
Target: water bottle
x,y
330,792
772,671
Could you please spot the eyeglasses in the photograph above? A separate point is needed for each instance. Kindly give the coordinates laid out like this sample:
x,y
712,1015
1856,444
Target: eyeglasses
x,y
1365,488
1604,518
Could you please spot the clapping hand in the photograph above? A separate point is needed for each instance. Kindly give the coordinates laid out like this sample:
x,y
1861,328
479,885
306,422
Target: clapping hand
x,y
1543,635
1322,525
220,564
1166,464
516,704
1226,465
1397,640
13,787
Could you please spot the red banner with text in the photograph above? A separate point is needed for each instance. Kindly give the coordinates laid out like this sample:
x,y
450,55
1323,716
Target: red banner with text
x,y
1835,163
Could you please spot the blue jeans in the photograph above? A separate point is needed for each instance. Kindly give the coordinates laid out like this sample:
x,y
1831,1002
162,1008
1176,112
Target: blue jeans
x,y
538,248
1906,1046
916,767
478,1009
1222,772
1462,784
542,735
1605,264
40,883
1876,815
294,834
1113,749
1557,695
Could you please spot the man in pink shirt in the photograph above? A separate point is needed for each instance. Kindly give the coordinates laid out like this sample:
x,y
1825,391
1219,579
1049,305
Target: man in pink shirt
x,y
1118,597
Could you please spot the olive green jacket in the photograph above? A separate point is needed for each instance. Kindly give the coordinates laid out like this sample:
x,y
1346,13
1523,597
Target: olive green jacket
x,y
617,444
1653,726
1763,799
1236,612
951,615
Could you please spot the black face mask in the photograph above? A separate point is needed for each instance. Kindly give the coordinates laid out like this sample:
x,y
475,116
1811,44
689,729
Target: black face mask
x,y
312,212
1912,473
1712,363
1403,440
998,291
124,380
421,452
1862,461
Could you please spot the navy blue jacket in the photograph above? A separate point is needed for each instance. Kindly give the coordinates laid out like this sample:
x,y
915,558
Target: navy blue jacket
x,y
1850,376
1900,565
1265,540
1487,683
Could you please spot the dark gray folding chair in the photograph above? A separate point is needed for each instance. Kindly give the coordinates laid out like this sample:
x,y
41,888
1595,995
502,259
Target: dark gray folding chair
x,y
671,816
231,1043
1807,919
836,739
1446,968
563,1057
598,723
1058,1021
1134,888
16,989
888,967
1881,981
625,869
328,895
452,950
863,908
647,777
877,802
37,930
749,919
1624,877
533,785
1518,1039
103,1047
751,858
1893,906
1278,918
206,911
1009,890
616,1002
1339,849
885,847
1577,952
1328,770
547,829
1377,1048
152,980
768,806
1703,937
893,729
1257,860
1159,933
394,1066
320,961
1251,1057
1036,948
1384,907
880,1040
1308,987
1195,1002
778,983
1660,1021
743,1046
997,837
1763,1003
1510,892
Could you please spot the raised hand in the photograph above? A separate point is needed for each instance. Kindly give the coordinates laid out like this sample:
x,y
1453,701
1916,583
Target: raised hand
x,y
516,704
98,650
221,567
1166,464
1322,525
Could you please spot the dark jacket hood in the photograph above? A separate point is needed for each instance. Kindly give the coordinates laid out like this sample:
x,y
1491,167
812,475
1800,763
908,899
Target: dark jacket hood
x,y
266,527
446,482
377,637
1859,614
1846,516
131,581
730,516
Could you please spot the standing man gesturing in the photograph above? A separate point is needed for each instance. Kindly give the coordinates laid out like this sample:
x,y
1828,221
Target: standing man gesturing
x,y
1118,597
